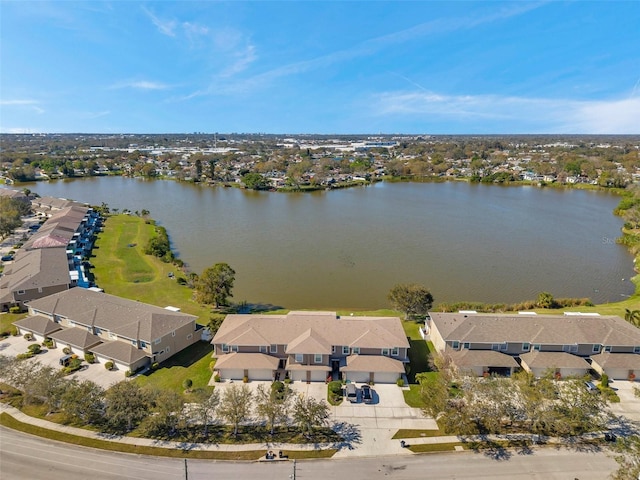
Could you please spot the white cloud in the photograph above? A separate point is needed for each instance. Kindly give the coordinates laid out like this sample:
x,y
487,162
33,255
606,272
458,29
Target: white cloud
x,y
31,104
533,115
166,27
140,85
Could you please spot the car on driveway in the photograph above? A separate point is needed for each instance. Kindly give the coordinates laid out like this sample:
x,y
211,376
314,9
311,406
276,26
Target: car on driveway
x,y
367,394
591,387
352,392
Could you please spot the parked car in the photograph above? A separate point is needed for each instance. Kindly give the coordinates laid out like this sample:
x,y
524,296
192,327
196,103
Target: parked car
x,y
352,392
367,394
591,387
64,361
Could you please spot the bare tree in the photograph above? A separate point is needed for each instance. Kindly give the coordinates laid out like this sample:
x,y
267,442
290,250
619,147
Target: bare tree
x,y
205,406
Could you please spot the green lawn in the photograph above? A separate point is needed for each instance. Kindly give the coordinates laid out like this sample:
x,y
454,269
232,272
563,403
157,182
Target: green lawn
x,y
418,351
409,433
122,268
7,319
192,362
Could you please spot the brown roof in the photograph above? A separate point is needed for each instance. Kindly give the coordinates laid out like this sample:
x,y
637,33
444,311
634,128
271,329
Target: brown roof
x,y
309,342
373,363
247,361
36,269
484,358
119,352
542,329
617,360
323,328
553,360
38,324
78,337
127,318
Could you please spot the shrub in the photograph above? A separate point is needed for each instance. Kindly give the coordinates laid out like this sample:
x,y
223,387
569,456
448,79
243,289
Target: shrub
x,y
216,378
604,380
400,382
34,349
245,379
128,373
66,350
28,336
181,281
47,343
11,330
335,388
155,366
187,384
15,309
89,357
108,365
22,356
287,381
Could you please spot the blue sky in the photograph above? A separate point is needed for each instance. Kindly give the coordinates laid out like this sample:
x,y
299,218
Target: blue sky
x,y
320,67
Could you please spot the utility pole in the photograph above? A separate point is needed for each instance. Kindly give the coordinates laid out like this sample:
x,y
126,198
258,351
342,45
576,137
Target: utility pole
x,y
186,472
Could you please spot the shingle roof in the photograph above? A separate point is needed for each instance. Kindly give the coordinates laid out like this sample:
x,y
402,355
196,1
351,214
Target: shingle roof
x,y
78,337
485,358
127,318
327,329
246,361
617,360
119,352
373,363
36,269
309,341
553,360
38,324
543,329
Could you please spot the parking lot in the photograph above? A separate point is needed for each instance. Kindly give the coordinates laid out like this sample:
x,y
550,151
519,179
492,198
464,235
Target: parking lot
x,y
12,346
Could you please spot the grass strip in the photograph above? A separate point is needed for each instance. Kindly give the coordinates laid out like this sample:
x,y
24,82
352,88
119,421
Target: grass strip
x,y
434,447
410,433
8,421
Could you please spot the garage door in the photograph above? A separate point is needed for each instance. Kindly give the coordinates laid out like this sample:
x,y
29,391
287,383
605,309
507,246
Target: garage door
x,y
260,375
232,373
617,373
358,377
386,377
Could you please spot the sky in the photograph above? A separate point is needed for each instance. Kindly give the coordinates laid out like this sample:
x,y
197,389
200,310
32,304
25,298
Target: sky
x,y
329,67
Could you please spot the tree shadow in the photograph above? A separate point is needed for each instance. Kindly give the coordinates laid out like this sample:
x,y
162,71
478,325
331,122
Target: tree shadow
x,y
349,433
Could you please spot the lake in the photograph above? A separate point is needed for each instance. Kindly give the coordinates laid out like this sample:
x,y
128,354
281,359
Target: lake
x,y
345,249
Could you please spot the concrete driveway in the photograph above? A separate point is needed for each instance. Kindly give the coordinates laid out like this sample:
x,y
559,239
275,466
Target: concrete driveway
x,y
12,346
629,405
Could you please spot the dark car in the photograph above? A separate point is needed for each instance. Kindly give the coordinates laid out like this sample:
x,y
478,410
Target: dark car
x,y
367,394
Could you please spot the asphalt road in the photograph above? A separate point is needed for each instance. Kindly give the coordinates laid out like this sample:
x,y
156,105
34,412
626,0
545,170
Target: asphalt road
x,y
26,457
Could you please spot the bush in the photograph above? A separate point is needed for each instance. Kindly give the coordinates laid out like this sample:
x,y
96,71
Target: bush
x,y
89,357
47,343
22,356
11,330
15,310
604,380
181,281
128,373
155,366
287,381
245,379
74,365
34,349
187,384
335,388
66,350
28,336
108,365
400,382
217,378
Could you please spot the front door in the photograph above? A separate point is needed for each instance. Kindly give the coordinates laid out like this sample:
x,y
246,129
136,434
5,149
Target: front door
x,y
308,376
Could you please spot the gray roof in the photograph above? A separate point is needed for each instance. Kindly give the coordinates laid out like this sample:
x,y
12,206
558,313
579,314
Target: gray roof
x,y
617,360
304,330
126,318
36,269
119,352
77,337
38,324
542,329
484,358
247,361
553,360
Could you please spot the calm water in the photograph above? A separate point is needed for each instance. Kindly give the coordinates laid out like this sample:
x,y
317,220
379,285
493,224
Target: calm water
x,y
347,248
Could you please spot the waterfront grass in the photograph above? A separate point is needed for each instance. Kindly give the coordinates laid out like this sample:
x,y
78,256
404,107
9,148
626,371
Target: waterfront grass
x,y
122,268
191,363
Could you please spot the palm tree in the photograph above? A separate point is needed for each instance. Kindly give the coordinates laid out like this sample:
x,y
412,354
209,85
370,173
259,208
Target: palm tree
x,y
632,316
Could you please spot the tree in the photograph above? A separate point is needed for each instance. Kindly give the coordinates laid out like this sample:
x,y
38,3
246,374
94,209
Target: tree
x,y
255,181
205,406
273,404
309,413
10,213
545,300
632,316
215,284
127,404
412,299
166,414
84,400
235,406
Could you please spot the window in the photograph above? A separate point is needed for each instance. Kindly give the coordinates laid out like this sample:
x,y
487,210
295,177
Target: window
x,y
190,336
274,349
503,347
385,352
225,348
596,348
495,346
157,341
263,349
526,347
355,351
168,349
345,350
134,343
607,348
98,331
395,351
317,358
570,348
143,344
537,347
466,345
299,357
636,349
234,348
455,344
20,292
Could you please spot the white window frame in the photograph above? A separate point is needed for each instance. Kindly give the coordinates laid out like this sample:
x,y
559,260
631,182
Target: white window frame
x,y
537,347
569,348
385,352
20,292
273,348
503,347
355,351
526,347
455,344
157,341
173,334
317,358
345,350
134,343
234,348
225,348
299,358
466,345
607,348
190,336
596,348
495,347
636,349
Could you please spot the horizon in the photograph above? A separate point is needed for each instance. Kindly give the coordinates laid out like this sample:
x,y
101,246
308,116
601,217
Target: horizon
x,y
329,68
